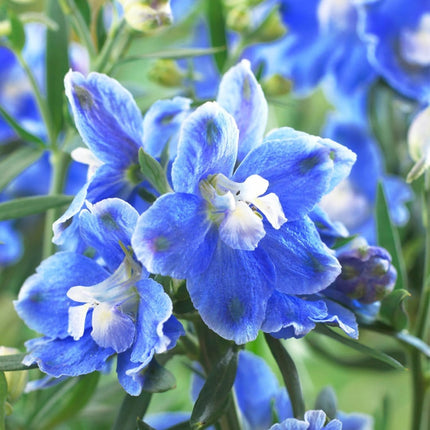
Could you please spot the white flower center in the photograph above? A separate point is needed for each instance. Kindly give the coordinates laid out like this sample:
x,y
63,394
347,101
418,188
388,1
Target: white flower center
x,y
238,209
336,15
114,302
415,44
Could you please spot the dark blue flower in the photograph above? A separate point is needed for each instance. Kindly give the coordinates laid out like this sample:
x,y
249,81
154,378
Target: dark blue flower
x,y
89,312
397,33
239,233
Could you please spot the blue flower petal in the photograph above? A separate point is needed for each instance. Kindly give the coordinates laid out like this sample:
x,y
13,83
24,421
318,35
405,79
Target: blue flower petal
x,y
161,125
343,158
67,357
106,117
173,236
256,388
10,244
341,316
241,95
355,421
155,308
105,226
291,424
292,313
43,303
130,374
207,145
165,420
232,293
304,264
297,166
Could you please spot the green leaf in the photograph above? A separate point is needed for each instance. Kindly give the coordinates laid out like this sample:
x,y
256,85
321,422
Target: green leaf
x,y
289,374
181,426
342,241
392,310
13,362
16,162
23,134
215,394
57,63
84,10
100,29
132,409
3,400
215,17
17,34
24,206
388,237
157,379
351,343
153,172
68,401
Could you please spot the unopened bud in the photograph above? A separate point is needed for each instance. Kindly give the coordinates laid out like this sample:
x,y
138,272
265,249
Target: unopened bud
x,y
276,85
238,19
419,144
5,28
16,381
145,15
367,274
271,28
166,73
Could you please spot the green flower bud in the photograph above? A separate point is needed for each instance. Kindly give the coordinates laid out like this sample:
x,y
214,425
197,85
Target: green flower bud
x,y
166,73
147,16
16,381
276,85
238,19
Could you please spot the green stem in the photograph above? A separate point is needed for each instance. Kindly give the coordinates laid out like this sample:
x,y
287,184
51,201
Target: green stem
x,y
59,161
80,26
417,362
289,374
108,47
212,349
132,408
40,100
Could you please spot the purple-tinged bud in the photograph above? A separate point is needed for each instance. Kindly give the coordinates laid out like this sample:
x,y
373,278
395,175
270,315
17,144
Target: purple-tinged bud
x,y
367,274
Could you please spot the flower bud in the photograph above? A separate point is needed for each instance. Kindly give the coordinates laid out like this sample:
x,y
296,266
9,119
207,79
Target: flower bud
x,y
16,381
276,85
238,19
5,28
367,274
271,28
145,15
419,144
166,73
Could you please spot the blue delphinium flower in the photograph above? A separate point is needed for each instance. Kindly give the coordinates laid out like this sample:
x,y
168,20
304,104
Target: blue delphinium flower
x,y
89,312
314,420
397,33
322,41
353,201
238,231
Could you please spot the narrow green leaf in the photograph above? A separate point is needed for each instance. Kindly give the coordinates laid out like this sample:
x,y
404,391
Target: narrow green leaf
x,y
158,379
68,401
388,237
13,362
57,63
100,29
153,172
13,164
132,409
214,396
84,10
289,374
392,310
17,34
351,343
215,17
23,134
176,54
19,208
3,400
